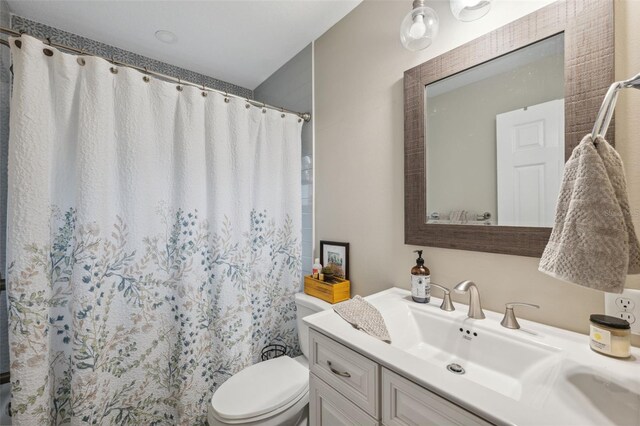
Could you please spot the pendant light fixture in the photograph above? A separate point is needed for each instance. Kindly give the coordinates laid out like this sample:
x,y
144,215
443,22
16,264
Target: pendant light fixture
x,y
419,27
469,10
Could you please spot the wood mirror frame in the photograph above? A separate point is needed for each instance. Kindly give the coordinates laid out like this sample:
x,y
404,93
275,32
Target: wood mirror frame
x,y
588,71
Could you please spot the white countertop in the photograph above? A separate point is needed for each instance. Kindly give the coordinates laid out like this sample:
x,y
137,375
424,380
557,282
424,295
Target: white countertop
x,y
587,389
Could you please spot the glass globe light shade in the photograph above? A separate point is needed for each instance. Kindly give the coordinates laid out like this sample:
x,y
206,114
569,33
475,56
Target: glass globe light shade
x,y
469,10
419,28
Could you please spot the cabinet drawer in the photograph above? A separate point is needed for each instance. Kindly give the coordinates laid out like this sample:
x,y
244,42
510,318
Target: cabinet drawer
x,y
328,408
350,373
406,404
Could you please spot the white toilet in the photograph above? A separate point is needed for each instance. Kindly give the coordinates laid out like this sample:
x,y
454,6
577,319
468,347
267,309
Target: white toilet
x,y
273,392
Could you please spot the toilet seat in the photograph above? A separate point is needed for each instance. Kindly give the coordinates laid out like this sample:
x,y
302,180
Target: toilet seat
x,y
260,391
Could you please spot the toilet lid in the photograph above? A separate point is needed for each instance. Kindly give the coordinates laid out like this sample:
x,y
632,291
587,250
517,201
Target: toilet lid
x,y
261,388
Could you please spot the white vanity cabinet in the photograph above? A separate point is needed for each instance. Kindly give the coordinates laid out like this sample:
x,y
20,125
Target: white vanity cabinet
x,y
328,407
406,404
347,388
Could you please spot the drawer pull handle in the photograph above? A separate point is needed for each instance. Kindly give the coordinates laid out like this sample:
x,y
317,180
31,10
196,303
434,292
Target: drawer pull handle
x,y
339,373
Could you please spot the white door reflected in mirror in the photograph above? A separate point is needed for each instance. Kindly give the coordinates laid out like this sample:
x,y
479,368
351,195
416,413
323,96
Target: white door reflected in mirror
x,y
530,147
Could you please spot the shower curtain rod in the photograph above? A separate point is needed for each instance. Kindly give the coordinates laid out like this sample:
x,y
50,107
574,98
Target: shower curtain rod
x,y
306,116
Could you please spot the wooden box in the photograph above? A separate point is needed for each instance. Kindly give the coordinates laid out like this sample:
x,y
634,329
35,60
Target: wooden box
x,y
332,293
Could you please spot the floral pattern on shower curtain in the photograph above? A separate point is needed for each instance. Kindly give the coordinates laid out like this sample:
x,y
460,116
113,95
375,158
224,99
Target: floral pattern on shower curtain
x,y
154,241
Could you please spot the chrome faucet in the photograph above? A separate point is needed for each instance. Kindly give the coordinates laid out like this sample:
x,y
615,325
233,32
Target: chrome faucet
x,y
475,308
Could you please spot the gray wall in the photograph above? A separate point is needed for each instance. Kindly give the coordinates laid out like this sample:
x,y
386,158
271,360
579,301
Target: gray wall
x,y
291,87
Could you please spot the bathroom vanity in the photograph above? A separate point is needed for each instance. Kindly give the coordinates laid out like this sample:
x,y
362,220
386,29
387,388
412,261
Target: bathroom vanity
x,y
373,391
445,368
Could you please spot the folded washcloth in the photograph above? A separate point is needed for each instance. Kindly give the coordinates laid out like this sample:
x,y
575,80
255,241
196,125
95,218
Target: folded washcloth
x,y
364,316
593,242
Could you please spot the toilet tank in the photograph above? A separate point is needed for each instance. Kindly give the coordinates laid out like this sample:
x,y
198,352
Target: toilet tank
x,y
307,305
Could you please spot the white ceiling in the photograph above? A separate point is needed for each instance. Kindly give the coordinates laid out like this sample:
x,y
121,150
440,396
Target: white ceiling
x,y
238,41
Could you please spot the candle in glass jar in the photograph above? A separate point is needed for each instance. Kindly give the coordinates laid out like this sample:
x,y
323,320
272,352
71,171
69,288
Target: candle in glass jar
x,y
610,336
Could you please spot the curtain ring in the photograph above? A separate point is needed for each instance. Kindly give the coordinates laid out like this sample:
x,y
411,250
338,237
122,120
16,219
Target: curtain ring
x,y
179,87
47,51
80,58
19,42
226,98
248,105
114,70
146,78
204,91
282,109
264,110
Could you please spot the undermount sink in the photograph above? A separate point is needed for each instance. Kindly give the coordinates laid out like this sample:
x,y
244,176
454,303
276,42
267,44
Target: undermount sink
x,y
515,368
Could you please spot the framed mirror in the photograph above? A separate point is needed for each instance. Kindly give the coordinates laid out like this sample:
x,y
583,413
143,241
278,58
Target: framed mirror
x,y
489,126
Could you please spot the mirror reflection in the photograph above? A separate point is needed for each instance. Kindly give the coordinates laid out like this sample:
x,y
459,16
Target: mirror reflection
x,y
495,140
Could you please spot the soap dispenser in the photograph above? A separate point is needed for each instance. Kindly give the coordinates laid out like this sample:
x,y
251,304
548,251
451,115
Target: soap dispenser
x,y
420,281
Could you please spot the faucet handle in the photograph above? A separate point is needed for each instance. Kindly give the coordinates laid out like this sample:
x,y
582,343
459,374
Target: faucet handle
x,y
510,320
446,305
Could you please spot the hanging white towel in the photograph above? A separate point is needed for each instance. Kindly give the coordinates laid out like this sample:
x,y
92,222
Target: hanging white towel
x,y
593,242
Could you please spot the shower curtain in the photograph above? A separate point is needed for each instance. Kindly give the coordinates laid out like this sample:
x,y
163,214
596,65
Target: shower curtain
x,y
153,241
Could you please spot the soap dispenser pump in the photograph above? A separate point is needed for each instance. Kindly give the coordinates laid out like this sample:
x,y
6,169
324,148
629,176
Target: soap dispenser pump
x,y
420,281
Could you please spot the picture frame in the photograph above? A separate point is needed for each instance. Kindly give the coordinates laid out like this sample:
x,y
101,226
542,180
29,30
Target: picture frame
x,y
336,253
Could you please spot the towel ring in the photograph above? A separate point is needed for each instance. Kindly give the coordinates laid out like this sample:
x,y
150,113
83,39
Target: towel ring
x,y
605,114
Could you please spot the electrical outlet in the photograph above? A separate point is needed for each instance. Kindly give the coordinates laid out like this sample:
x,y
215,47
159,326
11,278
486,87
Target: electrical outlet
x,y
627,316
625,306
